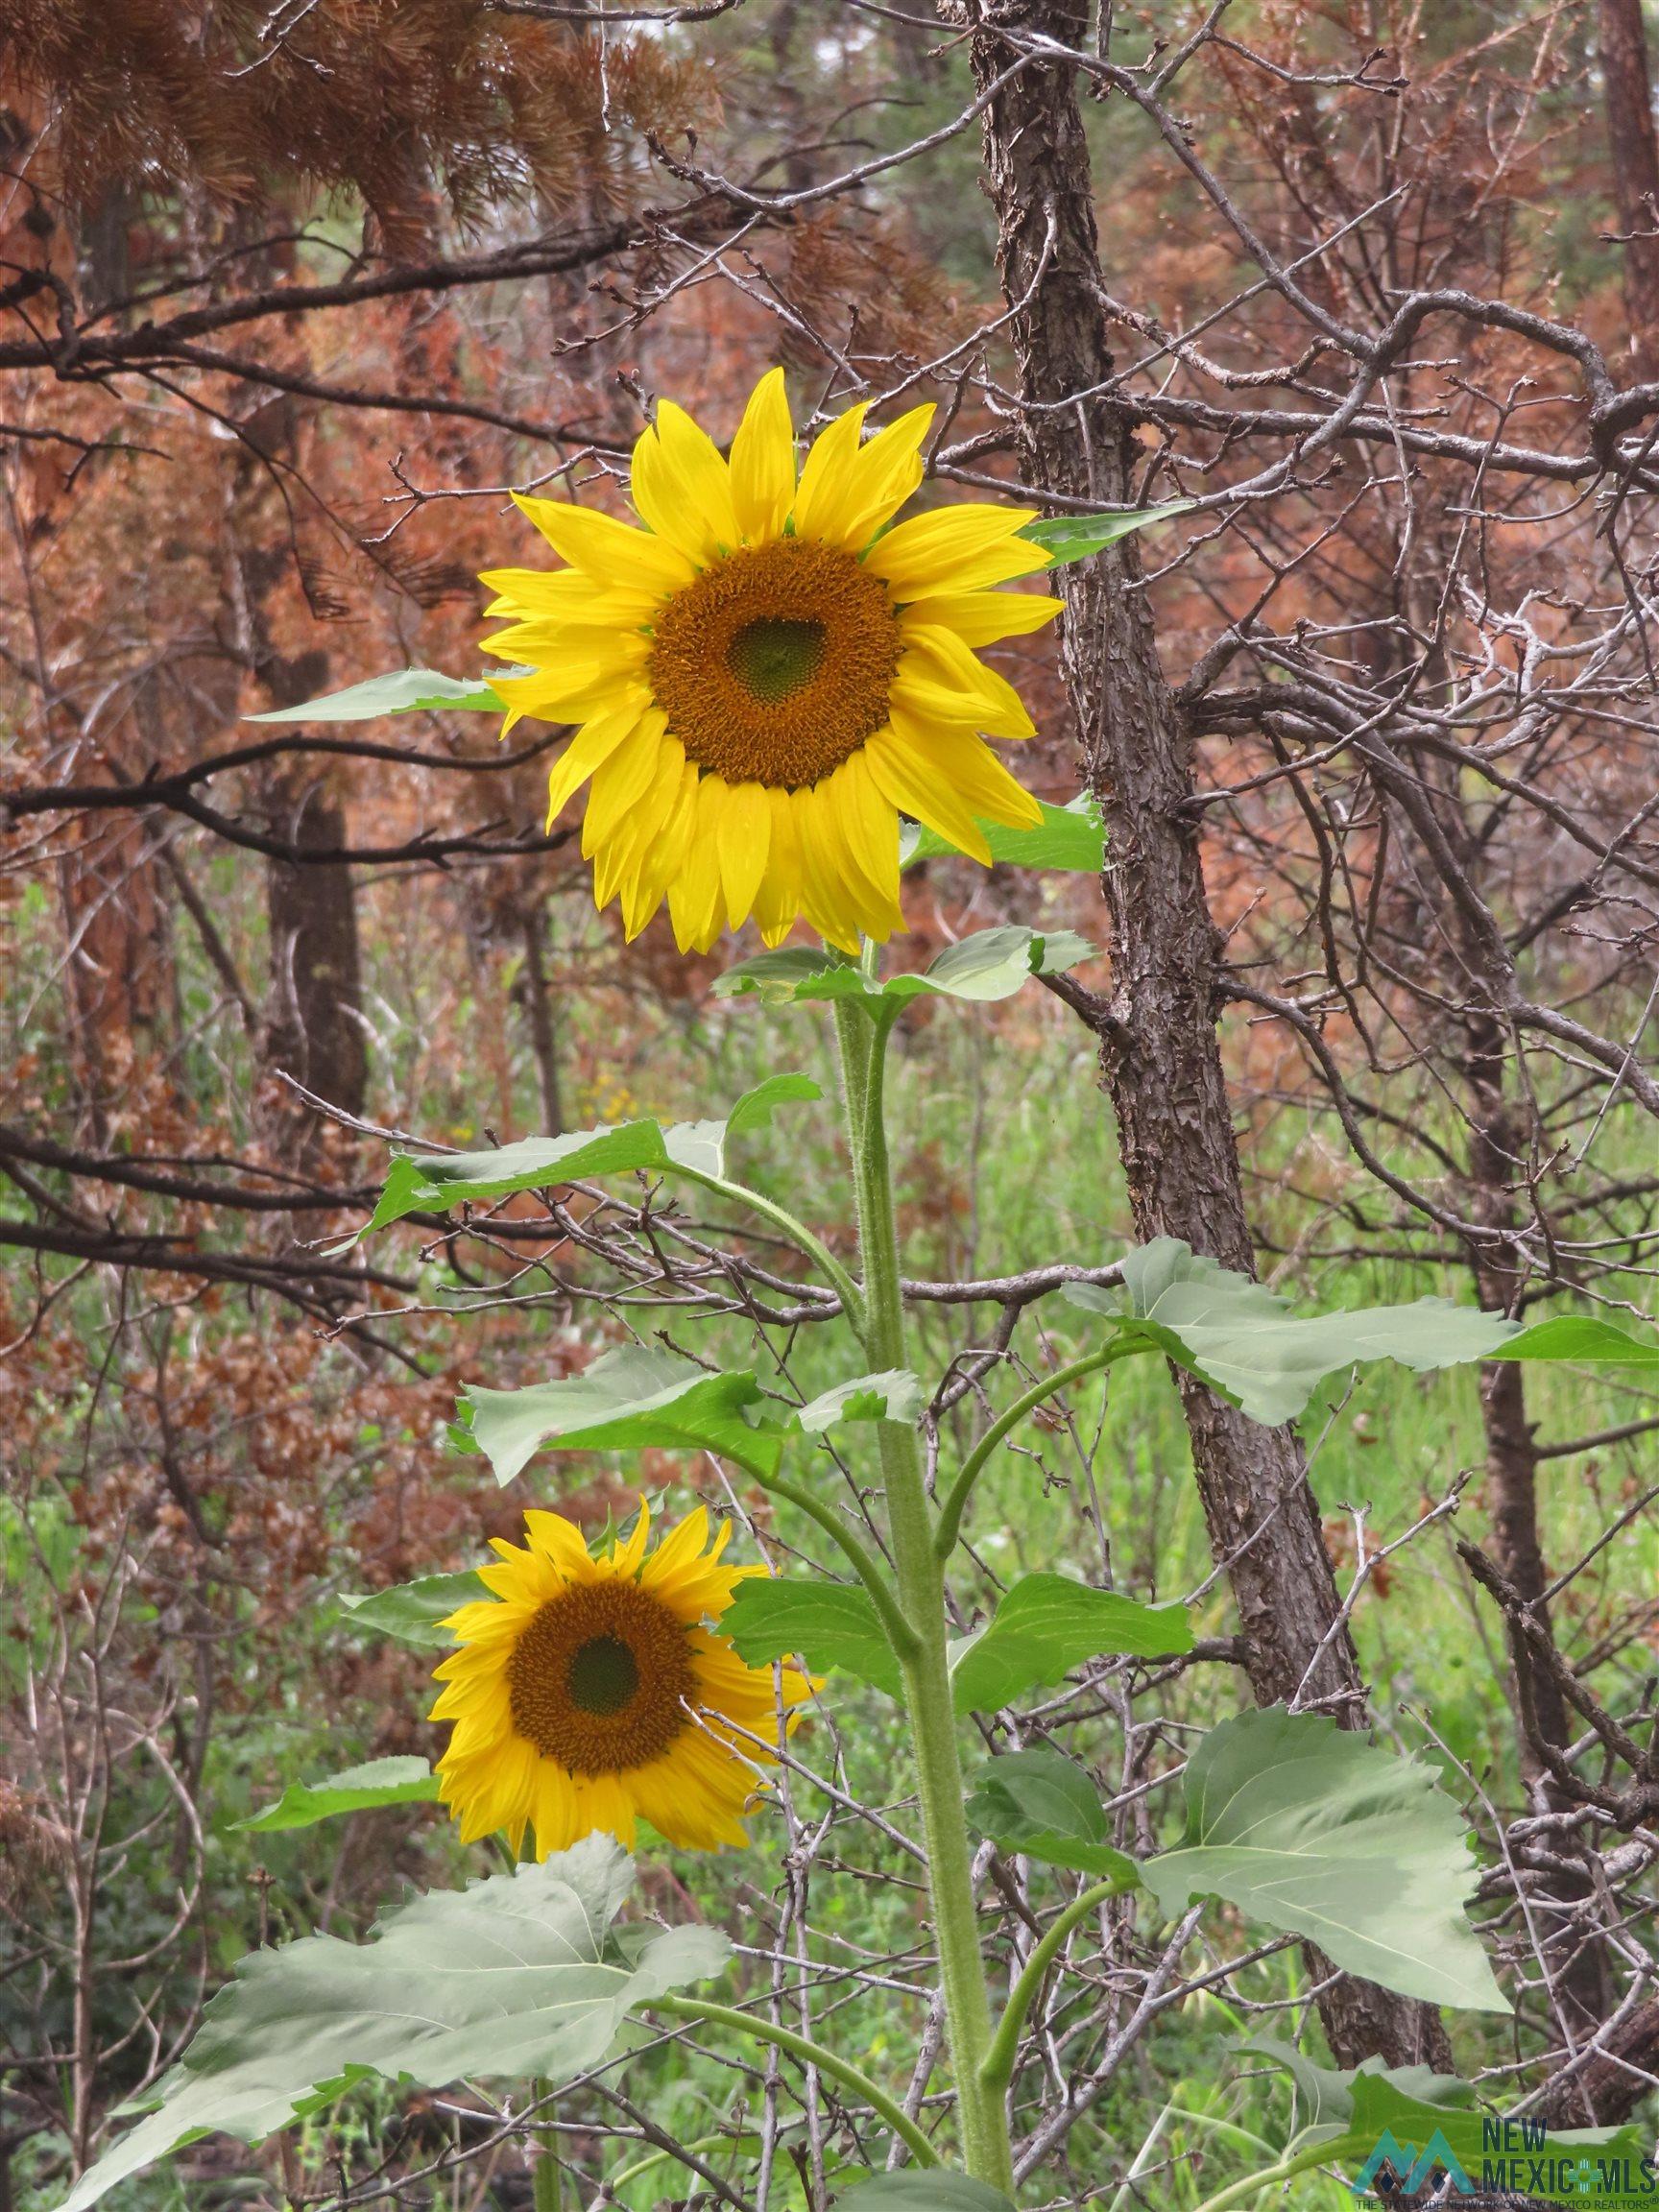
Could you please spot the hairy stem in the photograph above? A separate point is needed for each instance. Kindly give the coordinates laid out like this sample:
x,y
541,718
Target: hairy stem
x,y
957,1496
921,1576
890,2113
997,2070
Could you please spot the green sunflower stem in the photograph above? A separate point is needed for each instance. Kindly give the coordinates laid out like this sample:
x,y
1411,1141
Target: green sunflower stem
x,y
921,1579
546,2180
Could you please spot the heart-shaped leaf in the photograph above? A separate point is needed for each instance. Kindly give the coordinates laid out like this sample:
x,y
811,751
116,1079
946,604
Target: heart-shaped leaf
x,y
1583,1339
1243,1339
834,1626
412,1611
1325,2096
513,1976
434,1182
404,691
1046,1625
1068,838
1046,1807
895,1394
1312,1829
1068,538
990,964
358,1790
626,1401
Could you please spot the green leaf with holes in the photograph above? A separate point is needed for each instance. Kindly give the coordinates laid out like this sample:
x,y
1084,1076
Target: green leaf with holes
x,y
1046,1625
832,1626
362,1789
435,1182
1046,1805
520,1974
1069,537
626,1401
412,1611
404,691
1310,1829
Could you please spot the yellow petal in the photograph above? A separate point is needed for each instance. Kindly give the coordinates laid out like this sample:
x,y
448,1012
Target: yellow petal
x,y
618,867
591,746
956,549
875,483
832,900
983,617
612,552
777,902
682,486
763,463
938,673
870,825
961,763
566,595
744,836
822,496
622,779
905,774
694,894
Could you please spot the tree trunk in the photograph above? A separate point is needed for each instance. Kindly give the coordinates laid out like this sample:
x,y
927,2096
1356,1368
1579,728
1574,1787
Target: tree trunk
x,y
1627,90
1578,1968
314,1027
313,1031
1160,1052
536,995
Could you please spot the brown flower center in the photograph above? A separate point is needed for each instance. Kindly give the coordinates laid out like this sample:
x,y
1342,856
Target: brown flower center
x,y
775,664
600,1677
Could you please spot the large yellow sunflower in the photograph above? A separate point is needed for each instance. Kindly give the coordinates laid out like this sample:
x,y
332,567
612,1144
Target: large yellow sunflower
x,y
588,1694
766,676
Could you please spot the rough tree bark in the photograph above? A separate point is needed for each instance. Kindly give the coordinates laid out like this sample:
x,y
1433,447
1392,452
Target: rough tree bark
x,y
1579,1970
1627,88
314,1027
1160,1051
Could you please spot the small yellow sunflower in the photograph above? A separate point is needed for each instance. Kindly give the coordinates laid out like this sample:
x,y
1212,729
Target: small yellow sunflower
x,y
766,676
588,1694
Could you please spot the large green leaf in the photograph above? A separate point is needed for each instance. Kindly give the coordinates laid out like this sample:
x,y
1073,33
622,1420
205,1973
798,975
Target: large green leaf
x,y
412,1611
1046,1625
404,691
513,1976
1580,2166
922,2189
1244,1339
1314,1831
1045,1805
1068,538
625,1401
1069,837
990,964
1246,1343
358,1790
1583,1339
895,1394
834,1626
1325,2096
433,1182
